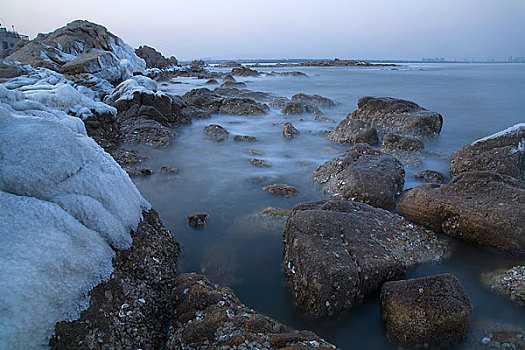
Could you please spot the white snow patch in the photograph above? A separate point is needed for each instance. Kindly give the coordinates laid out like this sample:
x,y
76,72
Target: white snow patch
x,y
509,130
126,89
64,203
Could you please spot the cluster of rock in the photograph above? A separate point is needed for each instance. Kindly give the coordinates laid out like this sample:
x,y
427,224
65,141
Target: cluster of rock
x,y
155,59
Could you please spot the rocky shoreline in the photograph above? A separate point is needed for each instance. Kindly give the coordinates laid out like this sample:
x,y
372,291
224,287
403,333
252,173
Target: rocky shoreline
x,y
85,81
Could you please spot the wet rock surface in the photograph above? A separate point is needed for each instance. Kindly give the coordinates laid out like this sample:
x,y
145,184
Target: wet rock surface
x,y
289,131
507,282
280,190
337,252
427,312
207,315
261,163
430,176
225,101
216,133
131,309
244,72
390,115
503,153
353,131
364,175
198,220
316,100
480,207
242,106
394,144
244,138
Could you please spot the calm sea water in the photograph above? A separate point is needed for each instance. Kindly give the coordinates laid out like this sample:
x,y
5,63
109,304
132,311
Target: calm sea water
x,y
239,249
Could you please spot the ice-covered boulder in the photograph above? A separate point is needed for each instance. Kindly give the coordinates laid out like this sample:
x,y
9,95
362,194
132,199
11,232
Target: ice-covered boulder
x,y
64,204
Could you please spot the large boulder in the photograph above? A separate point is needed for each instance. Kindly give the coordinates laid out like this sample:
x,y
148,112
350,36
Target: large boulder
x,y
481,207
507,282
242,106
101,63
427,312
398,116
364,175
503,152
317,100
353,131
153,58
337,252
216,133
244,72
207,315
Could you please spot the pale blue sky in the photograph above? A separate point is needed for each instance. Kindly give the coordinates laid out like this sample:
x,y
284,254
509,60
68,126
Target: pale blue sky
x,y
370,29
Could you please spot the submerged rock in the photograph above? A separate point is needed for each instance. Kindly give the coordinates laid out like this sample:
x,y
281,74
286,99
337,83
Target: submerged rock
x,y
244,138
291,107
244,72
242,106
337,252
398,116
197,220
316,100
212,82
211,316
260,163
430,176
228,78
507,282
233,84
430,312
480,207
169,170
503,152
280,190
289,131
353,131
364,175
216,133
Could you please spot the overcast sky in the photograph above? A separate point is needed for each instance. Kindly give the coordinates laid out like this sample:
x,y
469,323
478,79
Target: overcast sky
x,y
367,29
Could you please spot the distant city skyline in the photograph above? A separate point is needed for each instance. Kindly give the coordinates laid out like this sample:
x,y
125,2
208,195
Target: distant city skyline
x,y
222,29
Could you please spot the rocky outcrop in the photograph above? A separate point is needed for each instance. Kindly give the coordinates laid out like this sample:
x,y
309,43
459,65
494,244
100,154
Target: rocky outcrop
x,y
503,152
353,131
132,308
480,207
430,312
390,115
207,315
244,72
430,176
280,190
507,282
289,131
337,252
316,100
292,108
216,133
230,64
242,106
154,59
364,175
216,102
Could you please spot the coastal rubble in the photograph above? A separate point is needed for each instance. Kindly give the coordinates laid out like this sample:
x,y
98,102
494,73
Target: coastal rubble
x,y
364,175
337,252
507,282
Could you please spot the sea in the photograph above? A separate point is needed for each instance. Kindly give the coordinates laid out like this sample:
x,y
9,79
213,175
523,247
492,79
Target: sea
x,y
240,248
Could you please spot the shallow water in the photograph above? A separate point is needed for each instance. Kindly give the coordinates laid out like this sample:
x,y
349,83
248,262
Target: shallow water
x,y
238,248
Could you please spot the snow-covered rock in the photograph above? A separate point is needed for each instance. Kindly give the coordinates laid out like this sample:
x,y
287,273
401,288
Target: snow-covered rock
x,y
126,89
64,204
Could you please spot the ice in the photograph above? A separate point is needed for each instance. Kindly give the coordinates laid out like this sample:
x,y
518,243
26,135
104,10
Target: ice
x,y
125,90
64,204
509,130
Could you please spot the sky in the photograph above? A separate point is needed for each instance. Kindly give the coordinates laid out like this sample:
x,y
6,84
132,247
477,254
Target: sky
x,y
346,29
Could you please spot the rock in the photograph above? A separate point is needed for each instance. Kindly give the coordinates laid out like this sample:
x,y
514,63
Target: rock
x,y
497,338
503,152
364,175
203,99
92,62
134,172
279,102
133,308
154,59
169,170
277,212
252,152
8,71
244,138
197,64
242,106
313,99
322,118
190,113
229,84
480,207
207,315
289,131
507,282
337,252
197,220
289,74
244,72
430,176
292,108
212,82
431,311
260,163
216,133
230,64
396,144
146,132
390,115
280,190
353,131
229,79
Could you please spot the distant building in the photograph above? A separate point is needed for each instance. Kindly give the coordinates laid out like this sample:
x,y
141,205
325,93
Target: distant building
x,y
8,40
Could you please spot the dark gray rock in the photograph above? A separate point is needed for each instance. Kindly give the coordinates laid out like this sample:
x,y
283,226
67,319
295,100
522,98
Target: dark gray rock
x,y
507,282
203,99
244,138
394,144
364,175
289,131
430,312
316,100
430,176
212,82
198,220
484,208
353,131
229,79
260,163
153,58
280,190
390,115
244,72
337,252
92,62
242,106
236,84
503,153
216,133
291,107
